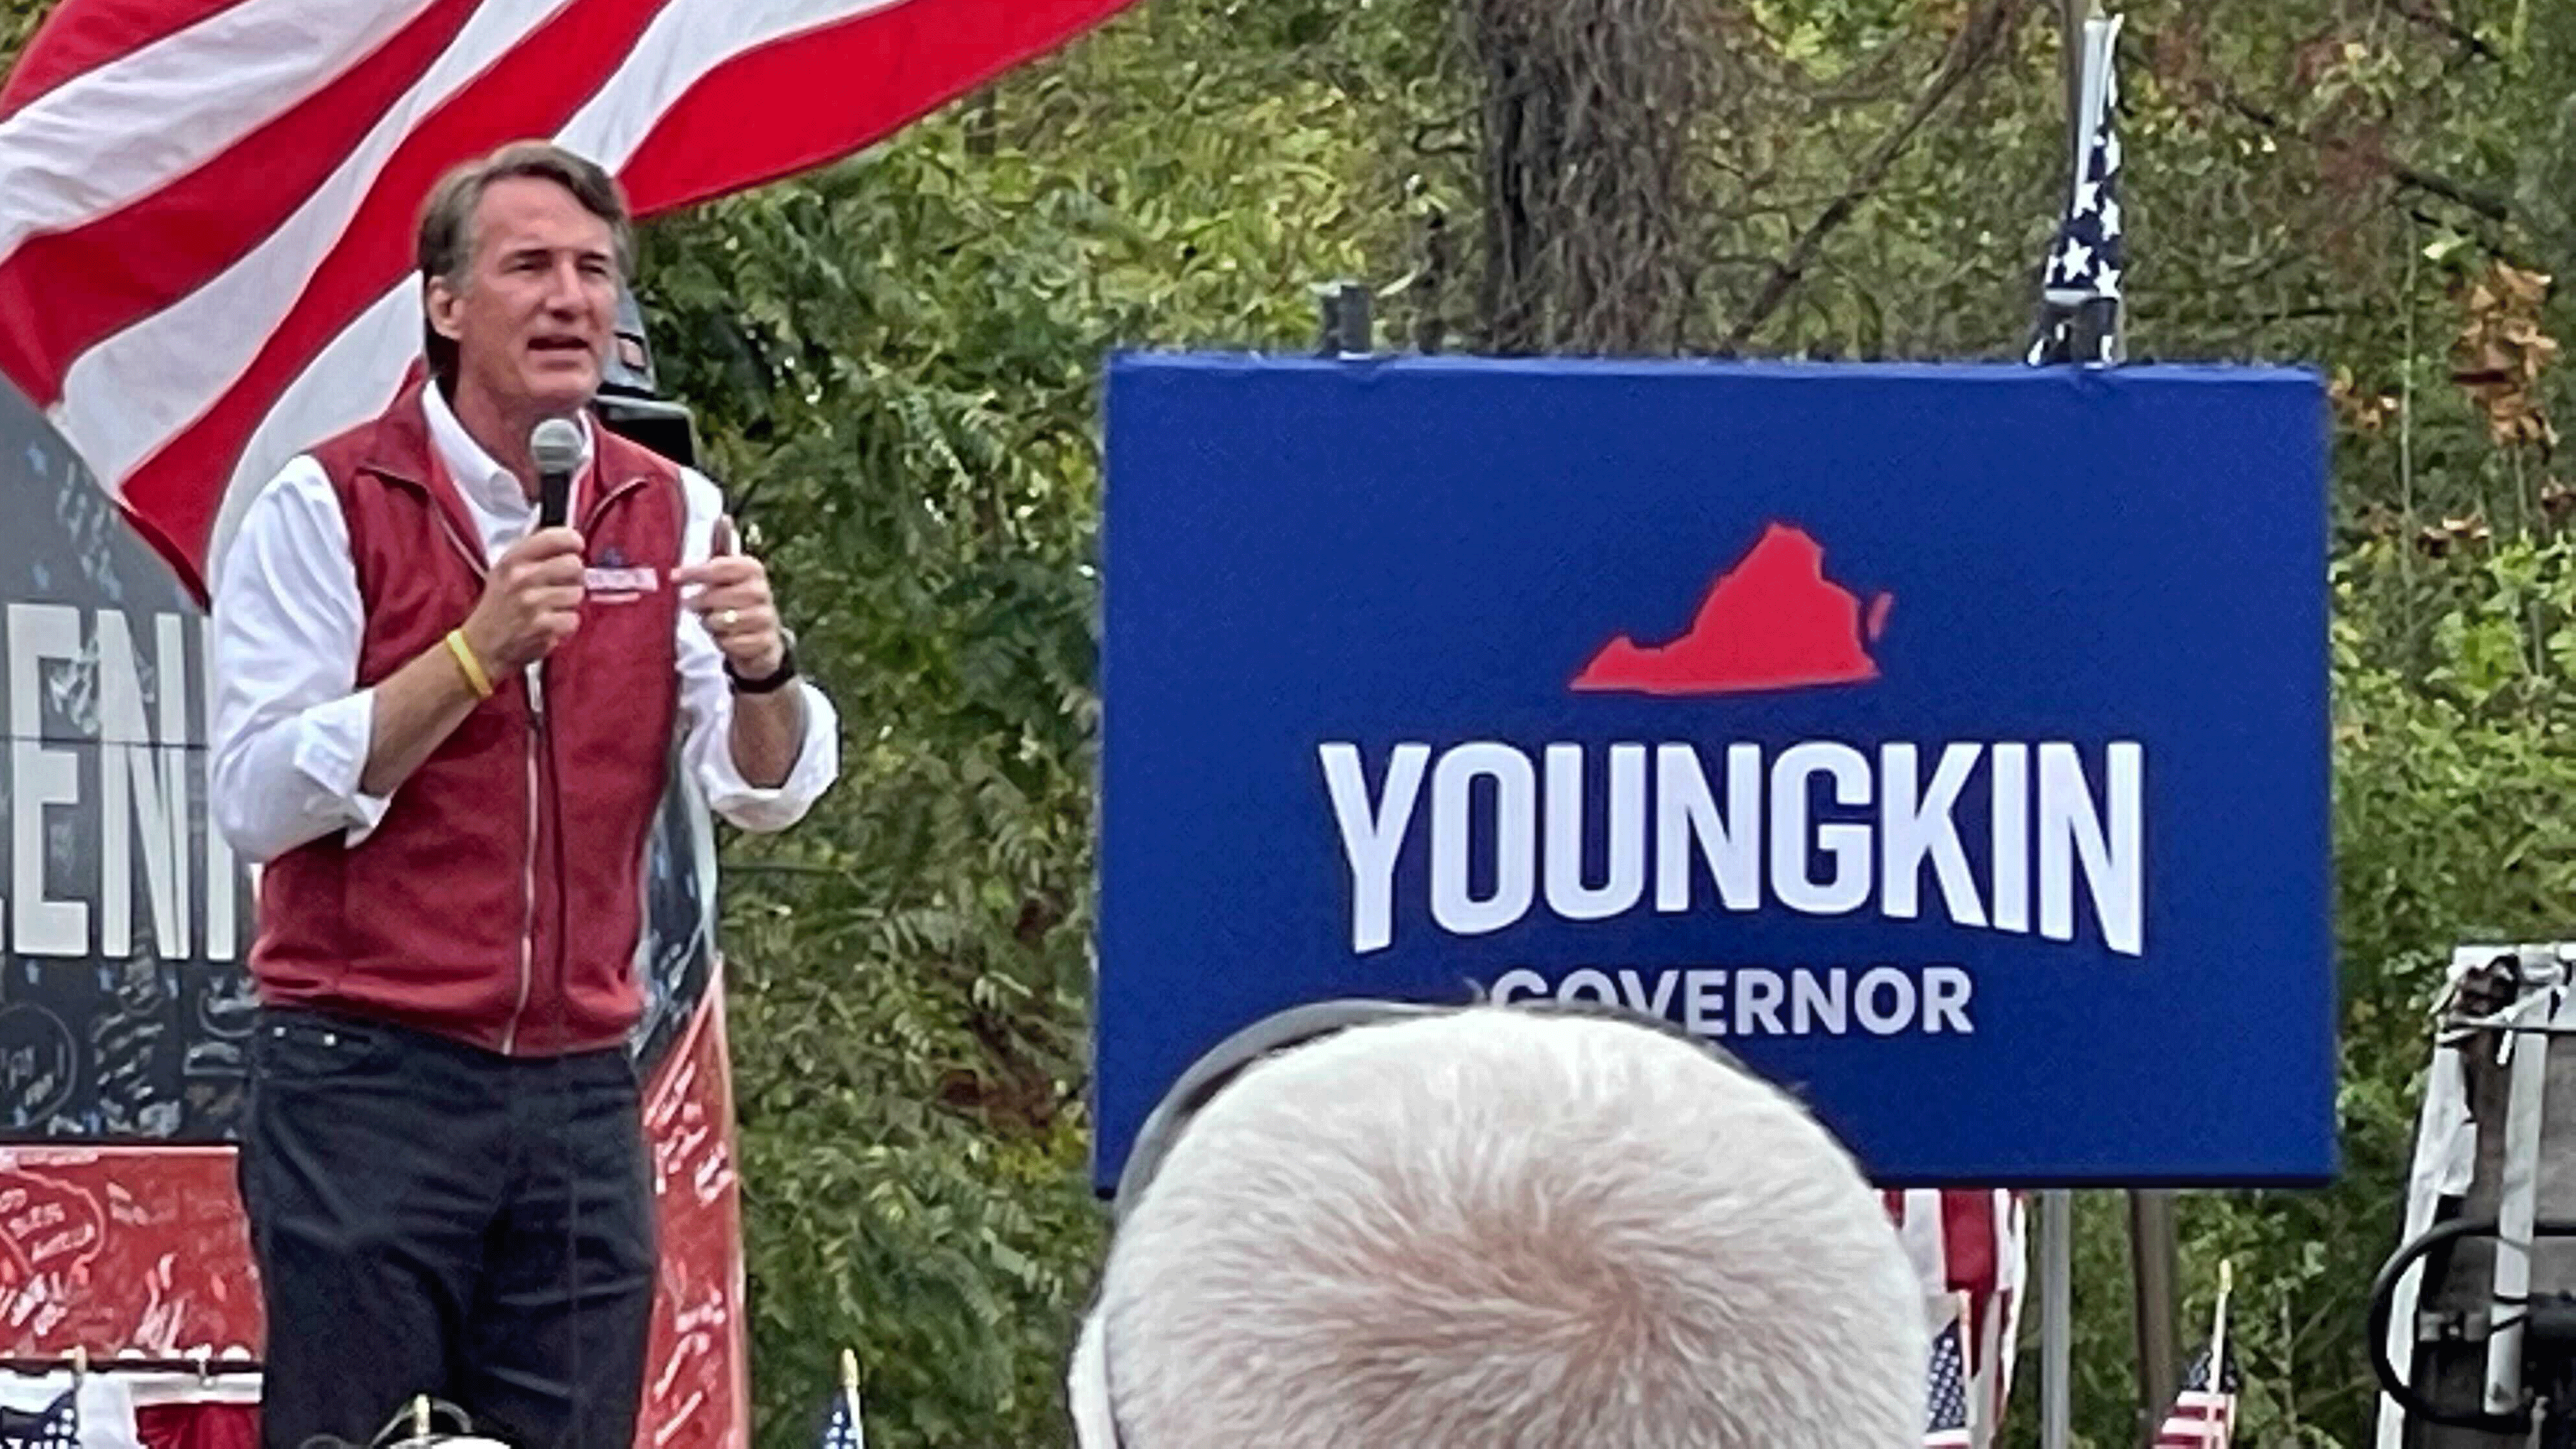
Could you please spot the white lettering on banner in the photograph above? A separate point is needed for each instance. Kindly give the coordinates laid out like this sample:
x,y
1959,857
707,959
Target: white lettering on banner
x,y
1750,1001
41,776
1687,822
1821,832
221,876
1847,889
1515,835
1919,827
1372,835
2011,826
107,787
127,765
1567,895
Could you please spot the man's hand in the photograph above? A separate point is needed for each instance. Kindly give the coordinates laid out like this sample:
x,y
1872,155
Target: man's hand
x,y
733,600
531,602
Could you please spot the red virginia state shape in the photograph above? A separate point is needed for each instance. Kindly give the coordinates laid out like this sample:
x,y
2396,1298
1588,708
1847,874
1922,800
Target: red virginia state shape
x,y
1772,622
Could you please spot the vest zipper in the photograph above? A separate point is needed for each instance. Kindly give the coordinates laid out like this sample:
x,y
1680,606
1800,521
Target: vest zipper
x,y
536,728
527,885
528,855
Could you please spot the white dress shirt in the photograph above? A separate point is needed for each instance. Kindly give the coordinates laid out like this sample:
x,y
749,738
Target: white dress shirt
x,y
291,727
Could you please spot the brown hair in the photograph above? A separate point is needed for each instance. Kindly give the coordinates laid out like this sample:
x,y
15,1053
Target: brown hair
x,y
446,247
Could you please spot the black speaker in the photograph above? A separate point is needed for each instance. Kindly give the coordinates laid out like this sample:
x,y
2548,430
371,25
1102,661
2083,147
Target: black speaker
x,y
630,402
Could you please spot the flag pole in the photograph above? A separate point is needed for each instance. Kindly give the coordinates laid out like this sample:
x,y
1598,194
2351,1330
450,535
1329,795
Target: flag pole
x,y
2153,1266
2154,1255
850,1397
2056,1318
2057,1205
2073,14
2218,1328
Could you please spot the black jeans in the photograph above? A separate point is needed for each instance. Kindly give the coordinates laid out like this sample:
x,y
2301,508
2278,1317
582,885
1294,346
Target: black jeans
x,y
429,1218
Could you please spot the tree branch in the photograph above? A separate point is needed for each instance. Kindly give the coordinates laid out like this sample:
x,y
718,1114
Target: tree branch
x,y
2484,203
2445,25
2311,313
1977,40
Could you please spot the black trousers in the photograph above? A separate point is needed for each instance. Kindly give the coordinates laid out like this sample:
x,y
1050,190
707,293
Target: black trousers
x,y
429,1218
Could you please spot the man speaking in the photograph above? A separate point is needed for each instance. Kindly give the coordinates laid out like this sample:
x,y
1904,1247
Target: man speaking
x,y
455,650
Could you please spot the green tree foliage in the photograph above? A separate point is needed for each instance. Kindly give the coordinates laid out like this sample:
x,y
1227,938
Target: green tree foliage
x,y
896,362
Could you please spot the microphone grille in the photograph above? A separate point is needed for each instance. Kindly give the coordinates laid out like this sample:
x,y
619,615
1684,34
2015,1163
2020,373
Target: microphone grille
x,y
555,446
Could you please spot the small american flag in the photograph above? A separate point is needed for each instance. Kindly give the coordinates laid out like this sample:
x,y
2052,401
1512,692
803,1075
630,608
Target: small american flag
x,y
2080,293
1968,1247
2203,1417
57,1426
842,1431
843,1428
1947,1425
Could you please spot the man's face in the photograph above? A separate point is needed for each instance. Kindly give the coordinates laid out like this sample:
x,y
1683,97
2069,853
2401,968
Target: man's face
x,y
539,305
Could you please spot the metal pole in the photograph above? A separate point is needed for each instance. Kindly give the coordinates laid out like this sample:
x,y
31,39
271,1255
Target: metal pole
x,y
2518,1196
2072,14
2154,1266
2056,1319
2057,1206
1344,324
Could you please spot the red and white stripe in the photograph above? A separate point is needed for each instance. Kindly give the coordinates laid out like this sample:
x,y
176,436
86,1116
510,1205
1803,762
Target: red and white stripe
x,y
2200,1420
206,206
1970,1249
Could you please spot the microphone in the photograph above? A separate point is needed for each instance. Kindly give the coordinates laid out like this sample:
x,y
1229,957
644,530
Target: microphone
x,y
555,446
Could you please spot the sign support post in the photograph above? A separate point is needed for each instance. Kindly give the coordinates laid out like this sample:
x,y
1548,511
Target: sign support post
x,y
2153,1263
2056,1318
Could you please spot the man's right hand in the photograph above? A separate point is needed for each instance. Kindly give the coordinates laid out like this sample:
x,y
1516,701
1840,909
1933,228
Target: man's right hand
x,y
531,602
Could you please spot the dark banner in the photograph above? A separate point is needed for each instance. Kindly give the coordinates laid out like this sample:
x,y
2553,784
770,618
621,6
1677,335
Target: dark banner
x,y
124,1007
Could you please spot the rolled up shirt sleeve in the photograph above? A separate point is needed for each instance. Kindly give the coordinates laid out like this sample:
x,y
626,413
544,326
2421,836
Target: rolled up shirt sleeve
x,y
706,707
291,729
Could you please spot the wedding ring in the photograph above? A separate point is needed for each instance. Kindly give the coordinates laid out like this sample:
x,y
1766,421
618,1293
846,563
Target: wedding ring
x,y
727,618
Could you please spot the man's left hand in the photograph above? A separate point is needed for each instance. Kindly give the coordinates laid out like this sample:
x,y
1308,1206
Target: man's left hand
x,y
734,602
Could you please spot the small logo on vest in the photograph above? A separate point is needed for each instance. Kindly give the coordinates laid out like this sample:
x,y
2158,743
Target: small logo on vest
x,y
610,581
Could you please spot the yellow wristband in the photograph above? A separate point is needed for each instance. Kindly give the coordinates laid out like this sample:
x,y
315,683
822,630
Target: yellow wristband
x,y
475,678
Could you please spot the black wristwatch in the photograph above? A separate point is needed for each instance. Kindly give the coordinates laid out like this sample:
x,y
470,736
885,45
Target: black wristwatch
x,y
775,679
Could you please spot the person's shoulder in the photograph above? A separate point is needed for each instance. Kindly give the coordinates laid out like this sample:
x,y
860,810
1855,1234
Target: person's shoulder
x,y
300,481
625,457
293,515
705,498
397,434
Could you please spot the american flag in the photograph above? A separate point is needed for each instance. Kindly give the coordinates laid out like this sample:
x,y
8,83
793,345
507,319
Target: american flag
x,y
1970,1249
2080,292
206,206
1947,1422
57,1426
844,1427
2203,1417
843,1430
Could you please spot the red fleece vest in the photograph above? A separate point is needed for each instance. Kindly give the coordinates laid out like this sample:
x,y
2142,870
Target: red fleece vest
x,y
500,900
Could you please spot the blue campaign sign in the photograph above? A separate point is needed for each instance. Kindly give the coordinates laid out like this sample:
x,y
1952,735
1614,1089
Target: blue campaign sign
x,y
1950,743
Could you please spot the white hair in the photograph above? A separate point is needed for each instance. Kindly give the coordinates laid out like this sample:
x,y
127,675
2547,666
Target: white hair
x,y
1498,1229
